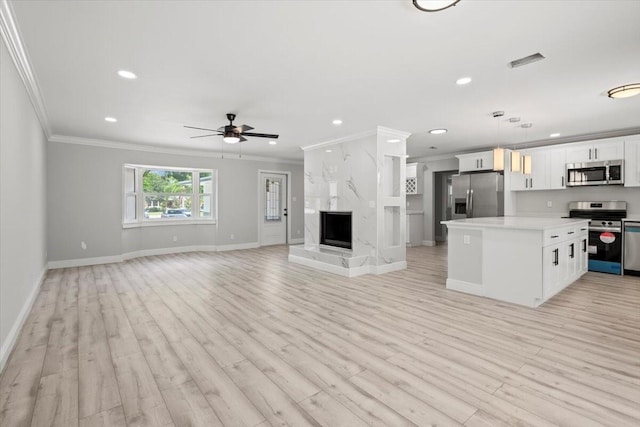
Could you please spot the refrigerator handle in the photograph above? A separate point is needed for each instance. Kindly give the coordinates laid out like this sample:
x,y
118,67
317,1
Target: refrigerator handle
x,y
466,202
470,205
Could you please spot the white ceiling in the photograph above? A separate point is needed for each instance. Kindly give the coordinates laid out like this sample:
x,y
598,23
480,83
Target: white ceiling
x,y
291,67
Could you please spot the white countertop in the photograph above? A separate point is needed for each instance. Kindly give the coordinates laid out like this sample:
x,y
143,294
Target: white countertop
x,y
515,222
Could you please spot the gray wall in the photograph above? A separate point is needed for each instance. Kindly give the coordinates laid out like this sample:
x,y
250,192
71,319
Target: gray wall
x,y
85,202
431,167
23,212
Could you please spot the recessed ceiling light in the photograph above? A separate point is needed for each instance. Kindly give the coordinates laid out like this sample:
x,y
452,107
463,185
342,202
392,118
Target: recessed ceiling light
x,y
273,142
328,151
625,91
337,122
110,119
463,81
393,141
437,131
127,74
554,135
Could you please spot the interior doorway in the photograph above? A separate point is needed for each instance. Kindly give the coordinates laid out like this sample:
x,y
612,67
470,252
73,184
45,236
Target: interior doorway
x,y
443,201
273,219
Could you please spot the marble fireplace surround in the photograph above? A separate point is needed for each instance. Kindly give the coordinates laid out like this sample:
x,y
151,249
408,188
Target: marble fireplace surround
x,y
362,174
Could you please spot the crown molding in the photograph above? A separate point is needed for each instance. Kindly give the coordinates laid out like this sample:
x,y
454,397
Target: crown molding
x,y
13,41
102,143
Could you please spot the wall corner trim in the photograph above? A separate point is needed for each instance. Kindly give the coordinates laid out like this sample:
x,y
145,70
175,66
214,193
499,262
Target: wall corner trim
x,y
14,333
11,36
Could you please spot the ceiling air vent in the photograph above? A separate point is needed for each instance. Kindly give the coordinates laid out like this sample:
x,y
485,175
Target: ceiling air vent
x,y
526,60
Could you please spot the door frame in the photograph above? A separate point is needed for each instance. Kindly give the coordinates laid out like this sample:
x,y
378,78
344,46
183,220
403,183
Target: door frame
x,y
259,210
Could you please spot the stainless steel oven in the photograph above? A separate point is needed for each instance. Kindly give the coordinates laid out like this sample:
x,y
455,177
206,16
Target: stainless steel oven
x,y
595,173
605,233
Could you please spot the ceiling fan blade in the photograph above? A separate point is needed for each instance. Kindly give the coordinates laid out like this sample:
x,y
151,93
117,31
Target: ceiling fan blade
x,y
221,129
192,127
204,136
243,128
242,139
261,135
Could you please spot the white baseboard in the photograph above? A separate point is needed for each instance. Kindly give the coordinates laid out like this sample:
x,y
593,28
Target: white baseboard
x,y
428,243
330,268
81,262
388,268
297,241
466,287
237,247
13,334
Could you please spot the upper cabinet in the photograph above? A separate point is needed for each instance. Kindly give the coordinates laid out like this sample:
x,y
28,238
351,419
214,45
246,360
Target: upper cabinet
x,y
594,151
548,170
475,161
632,162
415,176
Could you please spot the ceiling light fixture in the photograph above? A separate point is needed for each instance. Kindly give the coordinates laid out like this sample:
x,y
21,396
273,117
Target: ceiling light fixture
x,y
231,138
110,119
337,122
434,5
437,131
273,142
328,151
554,135
127,75
463,81
393,141
625,91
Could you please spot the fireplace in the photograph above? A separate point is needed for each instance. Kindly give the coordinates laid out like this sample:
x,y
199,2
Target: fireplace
x,y
335,229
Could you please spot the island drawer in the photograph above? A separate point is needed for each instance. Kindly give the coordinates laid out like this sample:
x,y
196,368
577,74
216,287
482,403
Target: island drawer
x,y
561,234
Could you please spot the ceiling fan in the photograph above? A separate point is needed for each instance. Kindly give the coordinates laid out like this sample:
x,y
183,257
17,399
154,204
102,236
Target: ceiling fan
x,y
233,134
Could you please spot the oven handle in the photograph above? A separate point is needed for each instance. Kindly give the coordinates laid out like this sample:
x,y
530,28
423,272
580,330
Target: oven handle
x,y
612,230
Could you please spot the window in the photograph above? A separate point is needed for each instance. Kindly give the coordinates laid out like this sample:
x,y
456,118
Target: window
x,y
154,194
273,192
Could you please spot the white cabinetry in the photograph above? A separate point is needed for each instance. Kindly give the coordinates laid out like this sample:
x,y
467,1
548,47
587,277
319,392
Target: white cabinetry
x,y
475,161
548,168
522,260
415,177
593,151
632,162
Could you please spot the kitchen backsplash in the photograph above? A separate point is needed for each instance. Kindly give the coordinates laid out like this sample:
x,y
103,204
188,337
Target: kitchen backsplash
x,y
535,202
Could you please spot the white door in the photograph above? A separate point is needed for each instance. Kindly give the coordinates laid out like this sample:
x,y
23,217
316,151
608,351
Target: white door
x,y
273,209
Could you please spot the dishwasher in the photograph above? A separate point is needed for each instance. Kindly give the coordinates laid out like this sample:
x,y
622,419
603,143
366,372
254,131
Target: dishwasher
x,y
632,248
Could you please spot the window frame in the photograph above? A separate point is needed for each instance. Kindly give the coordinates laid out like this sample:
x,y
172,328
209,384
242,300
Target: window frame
x,y
195,195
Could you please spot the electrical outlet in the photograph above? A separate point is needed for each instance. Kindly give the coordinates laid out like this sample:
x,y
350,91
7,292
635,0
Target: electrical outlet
x,y
467,240
83,245
549,203
294,198
175,238
233,236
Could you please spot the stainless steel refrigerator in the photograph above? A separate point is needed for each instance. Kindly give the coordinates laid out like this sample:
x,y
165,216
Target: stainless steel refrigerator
x,y
478,195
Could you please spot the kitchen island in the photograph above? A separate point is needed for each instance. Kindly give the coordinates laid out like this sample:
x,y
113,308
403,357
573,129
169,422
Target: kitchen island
x,y
522,260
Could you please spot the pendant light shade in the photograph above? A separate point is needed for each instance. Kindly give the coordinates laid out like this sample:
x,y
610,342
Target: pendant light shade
x,y
498,159
526,165
516,161
230,138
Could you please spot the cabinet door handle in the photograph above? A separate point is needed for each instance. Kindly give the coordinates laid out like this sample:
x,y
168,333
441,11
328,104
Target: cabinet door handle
x,y
570,232
596,151
526,183
555,236
562,181
571,251
477,164
481,166
584,245
555,257
589,153
531,182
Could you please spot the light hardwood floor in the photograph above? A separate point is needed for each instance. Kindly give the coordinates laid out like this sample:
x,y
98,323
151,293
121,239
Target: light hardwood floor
x,y
246,338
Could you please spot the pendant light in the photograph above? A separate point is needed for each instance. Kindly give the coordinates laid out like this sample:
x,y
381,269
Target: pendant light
x,y
526,165
516,161
498,159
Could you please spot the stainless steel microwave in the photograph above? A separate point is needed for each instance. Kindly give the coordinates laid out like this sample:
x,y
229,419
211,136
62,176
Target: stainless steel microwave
x,y
595,173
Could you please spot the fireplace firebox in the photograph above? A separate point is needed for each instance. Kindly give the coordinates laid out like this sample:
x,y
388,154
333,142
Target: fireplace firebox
x,y
335,229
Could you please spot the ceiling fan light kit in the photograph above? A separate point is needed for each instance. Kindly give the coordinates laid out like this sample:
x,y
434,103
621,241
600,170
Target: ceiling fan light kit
x,y
434,5
233,134
625,91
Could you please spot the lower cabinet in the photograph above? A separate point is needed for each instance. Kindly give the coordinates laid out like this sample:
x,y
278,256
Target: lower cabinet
x,y
564,262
